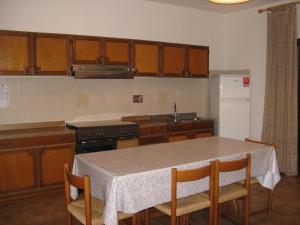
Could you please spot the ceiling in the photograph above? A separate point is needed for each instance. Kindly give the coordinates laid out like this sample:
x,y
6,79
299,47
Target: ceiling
x,y
206,5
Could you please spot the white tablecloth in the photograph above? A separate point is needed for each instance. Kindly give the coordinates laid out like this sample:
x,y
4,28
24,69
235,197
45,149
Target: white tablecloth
x,y
133,179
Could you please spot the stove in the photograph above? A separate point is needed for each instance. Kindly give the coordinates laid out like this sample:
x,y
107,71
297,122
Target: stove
x,y
95,136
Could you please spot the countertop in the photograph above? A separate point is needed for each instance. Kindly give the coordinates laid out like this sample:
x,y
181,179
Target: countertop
x,y
11,131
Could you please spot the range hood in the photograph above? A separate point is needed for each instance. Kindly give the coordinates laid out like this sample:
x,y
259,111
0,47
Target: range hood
x,y
91,71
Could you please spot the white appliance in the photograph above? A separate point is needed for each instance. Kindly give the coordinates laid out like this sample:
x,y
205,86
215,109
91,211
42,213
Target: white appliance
x,y
230,105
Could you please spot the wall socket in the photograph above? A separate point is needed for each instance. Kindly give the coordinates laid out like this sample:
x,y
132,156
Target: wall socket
x,y
138,98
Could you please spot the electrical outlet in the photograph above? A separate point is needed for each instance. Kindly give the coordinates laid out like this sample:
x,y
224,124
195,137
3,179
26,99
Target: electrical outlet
x,y
138,98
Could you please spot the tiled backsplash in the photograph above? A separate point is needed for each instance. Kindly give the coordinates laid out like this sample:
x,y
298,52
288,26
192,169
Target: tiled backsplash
x,y
35,99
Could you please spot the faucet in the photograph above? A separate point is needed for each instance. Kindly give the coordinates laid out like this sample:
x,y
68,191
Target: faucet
x,y
175,113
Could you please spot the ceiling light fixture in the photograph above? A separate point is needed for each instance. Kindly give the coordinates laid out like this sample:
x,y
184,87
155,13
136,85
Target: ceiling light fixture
x,y
228,1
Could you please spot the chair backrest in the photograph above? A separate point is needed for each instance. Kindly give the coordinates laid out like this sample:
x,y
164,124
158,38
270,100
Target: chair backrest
x,y
230,166
80,183
260,142
187,176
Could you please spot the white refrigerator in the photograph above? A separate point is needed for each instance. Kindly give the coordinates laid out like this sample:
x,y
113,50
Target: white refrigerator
x,y
230,105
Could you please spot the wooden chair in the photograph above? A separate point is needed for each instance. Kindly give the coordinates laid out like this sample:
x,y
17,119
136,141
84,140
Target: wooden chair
x,y
232,191
268,208
86,209
184,206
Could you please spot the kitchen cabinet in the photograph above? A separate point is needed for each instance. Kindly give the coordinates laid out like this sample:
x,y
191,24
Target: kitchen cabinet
x,y
185,130
28,53
197,61
17,170
32,164
87,50
173,60
51,54
104,51
152,134
146,58
15,53
117,51
52,160
127,143
161,128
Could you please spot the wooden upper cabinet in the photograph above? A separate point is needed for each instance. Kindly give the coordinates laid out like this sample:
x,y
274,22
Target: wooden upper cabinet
x,y
146,58
14,53
198,61
173,60
51,54
117,51
87,50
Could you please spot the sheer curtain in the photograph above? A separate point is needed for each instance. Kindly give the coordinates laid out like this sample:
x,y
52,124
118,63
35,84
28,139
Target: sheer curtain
x,y
280,112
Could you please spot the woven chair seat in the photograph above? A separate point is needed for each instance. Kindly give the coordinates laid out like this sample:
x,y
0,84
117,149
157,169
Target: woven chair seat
x,y
253,180
77,209
186,205
231,192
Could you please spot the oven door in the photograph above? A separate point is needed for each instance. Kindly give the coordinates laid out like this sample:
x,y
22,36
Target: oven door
x,y
103,144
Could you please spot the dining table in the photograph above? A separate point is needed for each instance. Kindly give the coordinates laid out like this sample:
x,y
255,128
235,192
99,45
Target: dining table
x,y
133,179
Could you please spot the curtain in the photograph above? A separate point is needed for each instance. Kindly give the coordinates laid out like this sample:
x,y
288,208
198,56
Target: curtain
x,y
280,125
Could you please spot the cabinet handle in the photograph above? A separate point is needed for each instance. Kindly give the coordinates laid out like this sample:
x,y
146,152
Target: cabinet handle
x,y
27,69
37,69
41,151
98,60
31,152
133,70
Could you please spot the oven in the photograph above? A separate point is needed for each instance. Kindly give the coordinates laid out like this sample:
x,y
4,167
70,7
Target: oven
x,y
97,136
103,144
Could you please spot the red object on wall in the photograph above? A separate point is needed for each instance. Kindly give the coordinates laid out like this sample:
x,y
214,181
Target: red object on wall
x,y
246,81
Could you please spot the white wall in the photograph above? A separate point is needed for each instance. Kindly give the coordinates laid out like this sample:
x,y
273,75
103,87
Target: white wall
x,y
246,43
56,98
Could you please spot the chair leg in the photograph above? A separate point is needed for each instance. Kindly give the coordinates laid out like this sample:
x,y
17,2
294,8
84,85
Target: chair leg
x,y
135,219
69,218
270,193
146,213
246,204
186,219
210,216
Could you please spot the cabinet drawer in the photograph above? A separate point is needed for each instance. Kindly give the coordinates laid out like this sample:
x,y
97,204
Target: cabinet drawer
x,y
153,139
152,130
189,126
36,141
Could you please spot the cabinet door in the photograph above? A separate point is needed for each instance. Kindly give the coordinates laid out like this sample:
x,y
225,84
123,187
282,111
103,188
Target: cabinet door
x,y
127,143
52,54
173,60
87,50
117,51
198,59
204,134
17,170
146,58
14,53
52,163
177,137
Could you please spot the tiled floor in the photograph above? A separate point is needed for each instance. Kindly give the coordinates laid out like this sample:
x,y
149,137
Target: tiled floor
x,y
51,211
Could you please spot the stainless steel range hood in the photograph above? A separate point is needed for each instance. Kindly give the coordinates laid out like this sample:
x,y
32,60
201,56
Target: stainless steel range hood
x,y
90,71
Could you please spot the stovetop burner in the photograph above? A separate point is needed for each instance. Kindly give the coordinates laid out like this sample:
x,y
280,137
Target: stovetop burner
x,y
92,130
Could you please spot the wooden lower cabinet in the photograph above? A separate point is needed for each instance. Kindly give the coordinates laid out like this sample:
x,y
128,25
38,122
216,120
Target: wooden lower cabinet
x,y
52,163
29,172
177,137
181,136
17,170
127,143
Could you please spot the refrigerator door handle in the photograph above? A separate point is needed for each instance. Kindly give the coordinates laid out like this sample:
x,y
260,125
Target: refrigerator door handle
x,y
235,100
